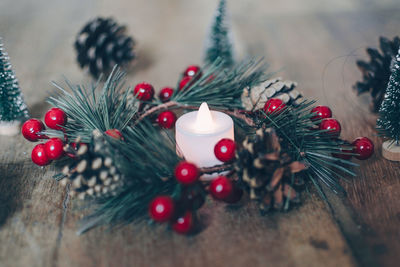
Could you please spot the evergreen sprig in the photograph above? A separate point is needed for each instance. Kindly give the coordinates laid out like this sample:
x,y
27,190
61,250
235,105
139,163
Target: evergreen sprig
x,y
220,87
305,142
146,159
87,110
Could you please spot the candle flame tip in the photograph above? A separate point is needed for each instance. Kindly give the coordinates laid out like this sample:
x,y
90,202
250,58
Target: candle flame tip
x,y
204,119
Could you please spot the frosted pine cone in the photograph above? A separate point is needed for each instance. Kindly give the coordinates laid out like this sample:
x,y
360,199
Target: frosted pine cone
x,y
92,174
255,98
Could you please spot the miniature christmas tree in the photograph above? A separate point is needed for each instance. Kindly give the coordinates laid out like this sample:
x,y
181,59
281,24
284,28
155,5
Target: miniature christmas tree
x,y
13,109
389,115
219,42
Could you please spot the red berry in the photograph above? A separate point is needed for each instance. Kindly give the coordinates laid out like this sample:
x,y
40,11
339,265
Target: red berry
x,y
224,150
166,119
321,112
343,156
192,198
144,91
184,224
274,105
192,71
235,196
332,125
186,173
31,128
161,208
114,133
55,118
54,148
221,188
343,150
39,156
166,94
185,82
364,147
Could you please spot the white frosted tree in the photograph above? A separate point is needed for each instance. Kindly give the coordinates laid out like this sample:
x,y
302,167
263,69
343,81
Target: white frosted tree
x,y
13,109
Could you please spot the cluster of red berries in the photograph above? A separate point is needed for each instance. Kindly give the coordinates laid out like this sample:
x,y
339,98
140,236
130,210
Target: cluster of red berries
x,y
363,147
223,188
43,154
323,115
145,92
190,75
166,209
53,148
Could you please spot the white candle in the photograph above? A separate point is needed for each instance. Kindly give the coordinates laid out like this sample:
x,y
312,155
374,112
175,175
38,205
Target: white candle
x,y
198,132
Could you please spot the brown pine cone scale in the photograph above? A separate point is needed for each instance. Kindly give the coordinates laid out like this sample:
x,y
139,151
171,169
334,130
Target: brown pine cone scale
x,y
267,173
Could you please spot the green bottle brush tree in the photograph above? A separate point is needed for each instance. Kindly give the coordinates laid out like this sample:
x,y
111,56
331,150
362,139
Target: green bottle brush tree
x,y
13,109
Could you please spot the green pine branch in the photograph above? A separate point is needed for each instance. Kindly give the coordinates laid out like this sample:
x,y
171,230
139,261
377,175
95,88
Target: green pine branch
x,y
222,88
305,142
146,159
111,108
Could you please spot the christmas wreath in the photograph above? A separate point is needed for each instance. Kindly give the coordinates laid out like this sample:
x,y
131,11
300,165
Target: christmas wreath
x,y
114,144
123,155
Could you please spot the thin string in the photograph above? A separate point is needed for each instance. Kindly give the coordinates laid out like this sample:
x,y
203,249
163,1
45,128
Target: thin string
x,y
349,101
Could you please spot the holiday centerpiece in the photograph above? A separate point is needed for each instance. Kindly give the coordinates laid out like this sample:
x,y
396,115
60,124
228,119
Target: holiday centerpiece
x,y
105,134
117,146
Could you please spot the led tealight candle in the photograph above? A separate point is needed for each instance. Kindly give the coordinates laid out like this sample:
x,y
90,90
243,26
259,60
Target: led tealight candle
x,y
199,131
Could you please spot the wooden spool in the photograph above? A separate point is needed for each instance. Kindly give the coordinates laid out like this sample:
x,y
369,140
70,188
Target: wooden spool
x,y
391,151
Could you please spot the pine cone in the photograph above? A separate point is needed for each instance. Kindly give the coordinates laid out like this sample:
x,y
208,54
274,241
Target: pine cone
x,y
101,44
266,172
255,98
377,71
91,174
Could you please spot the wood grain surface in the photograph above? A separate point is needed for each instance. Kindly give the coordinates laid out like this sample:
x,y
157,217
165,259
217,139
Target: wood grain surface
x,y
314,42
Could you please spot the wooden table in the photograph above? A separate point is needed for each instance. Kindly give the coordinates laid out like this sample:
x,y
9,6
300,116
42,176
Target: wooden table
x,y
314,42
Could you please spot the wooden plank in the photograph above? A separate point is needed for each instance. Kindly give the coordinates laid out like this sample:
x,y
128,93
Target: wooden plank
x,y
38,221
321,53
373,194
233,237
38,37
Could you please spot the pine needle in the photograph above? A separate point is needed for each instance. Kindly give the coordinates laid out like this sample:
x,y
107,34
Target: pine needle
x,y
304,141
88,110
